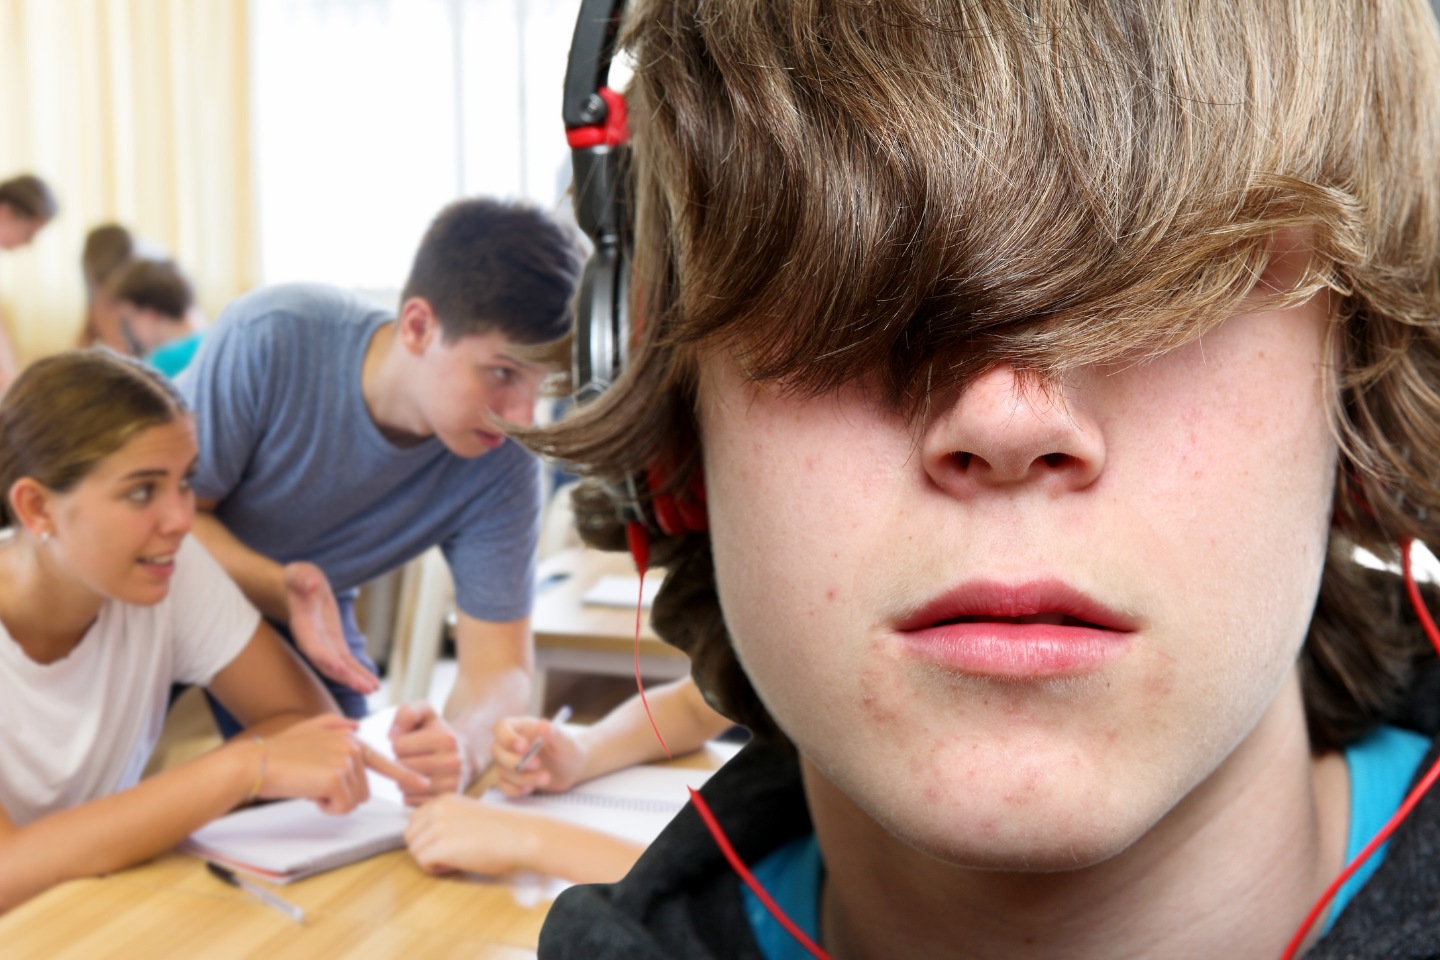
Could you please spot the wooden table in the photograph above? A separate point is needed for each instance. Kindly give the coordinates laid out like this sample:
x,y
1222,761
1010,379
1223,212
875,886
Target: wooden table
x,y
171,907
573,635
382,907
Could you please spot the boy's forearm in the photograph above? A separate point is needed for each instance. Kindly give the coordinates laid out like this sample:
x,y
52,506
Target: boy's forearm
x,y
625,737
493,681
261,579
582,855
475,704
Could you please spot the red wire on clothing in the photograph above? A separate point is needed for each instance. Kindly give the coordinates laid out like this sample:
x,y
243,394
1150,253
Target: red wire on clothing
x,y
1413,798
738,865
639,543
638,540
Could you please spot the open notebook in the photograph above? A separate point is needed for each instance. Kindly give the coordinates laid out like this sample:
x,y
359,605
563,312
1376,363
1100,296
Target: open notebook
x,y
285,841
635,804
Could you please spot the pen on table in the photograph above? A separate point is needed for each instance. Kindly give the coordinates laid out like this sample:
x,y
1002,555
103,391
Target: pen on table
x,y
257,891
561,716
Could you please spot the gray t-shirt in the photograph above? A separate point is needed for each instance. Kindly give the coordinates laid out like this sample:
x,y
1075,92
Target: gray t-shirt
x,y
301,471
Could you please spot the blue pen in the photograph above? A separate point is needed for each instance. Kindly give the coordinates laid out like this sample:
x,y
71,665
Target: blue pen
x,y
257,891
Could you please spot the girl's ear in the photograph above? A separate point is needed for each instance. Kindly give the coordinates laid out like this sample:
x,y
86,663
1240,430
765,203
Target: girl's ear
x,y
30,502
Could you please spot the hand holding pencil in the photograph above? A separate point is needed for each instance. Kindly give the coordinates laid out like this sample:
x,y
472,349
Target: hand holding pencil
x,y
532,753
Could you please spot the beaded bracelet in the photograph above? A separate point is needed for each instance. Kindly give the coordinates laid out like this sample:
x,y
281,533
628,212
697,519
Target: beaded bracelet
x,y
264,755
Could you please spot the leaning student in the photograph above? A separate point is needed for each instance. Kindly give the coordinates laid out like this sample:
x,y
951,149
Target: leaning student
x,y
105,601
1045,363
338,441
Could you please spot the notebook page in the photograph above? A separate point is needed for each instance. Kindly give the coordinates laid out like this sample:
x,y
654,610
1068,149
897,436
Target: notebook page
x,y
621,591
635,803
285,841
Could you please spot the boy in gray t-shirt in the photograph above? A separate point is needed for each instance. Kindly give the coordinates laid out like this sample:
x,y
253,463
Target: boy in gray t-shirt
x,y
338,442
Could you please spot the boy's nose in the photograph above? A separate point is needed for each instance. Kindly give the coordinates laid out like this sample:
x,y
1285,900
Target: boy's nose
x,y
1006,431
517,407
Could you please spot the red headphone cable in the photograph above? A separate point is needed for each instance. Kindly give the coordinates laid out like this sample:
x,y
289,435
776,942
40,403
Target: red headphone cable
x,y
1413,798
638,540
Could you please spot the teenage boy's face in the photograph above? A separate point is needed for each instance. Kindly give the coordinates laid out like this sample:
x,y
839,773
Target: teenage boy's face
x,y
1019,634
470,383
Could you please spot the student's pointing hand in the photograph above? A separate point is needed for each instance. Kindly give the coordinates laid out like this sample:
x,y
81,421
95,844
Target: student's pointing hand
x,y
408,780
315,624
322,760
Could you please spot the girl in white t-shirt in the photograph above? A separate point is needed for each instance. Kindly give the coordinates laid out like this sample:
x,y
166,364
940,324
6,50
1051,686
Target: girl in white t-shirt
x,y
105,601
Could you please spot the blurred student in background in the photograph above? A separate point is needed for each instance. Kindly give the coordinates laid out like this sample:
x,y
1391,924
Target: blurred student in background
x,y
108,248
27,204
155,303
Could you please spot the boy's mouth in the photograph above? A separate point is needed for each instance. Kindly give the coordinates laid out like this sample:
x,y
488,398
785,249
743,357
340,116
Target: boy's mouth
x,y
1054,619
1028,631
1046,602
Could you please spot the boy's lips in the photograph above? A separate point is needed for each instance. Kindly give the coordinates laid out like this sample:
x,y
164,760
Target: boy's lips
x,y
1037,629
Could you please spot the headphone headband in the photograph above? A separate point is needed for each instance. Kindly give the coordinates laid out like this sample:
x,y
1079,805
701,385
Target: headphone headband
x,y
596,128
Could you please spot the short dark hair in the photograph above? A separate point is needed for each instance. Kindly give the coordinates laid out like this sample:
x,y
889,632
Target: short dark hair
x,y
488,265
153,285
29,196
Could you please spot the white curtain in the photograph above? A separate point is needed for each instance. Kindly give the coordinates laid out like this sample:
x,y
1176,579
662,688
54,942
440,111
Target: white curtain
x,y
135,111
370,115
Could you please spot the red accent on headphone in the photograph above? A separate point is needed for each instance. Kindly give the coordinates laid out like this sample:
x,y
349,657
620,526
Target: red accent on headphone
x,y
613,132
637,539
680,514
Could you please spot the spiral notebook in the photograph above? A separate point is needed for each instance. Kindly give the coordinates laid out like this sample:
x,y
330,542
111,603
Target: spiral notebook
x,y
285,841
635,804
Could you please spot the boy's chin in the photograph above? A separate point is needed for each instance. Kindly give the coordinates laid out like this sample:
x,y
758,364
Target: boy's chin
x,y
1064,828
1029,842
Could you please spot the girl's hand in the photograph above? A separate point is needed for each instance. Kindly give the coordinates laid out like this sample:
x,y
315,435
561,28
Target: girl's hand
x,y
557,767
320,759
453,832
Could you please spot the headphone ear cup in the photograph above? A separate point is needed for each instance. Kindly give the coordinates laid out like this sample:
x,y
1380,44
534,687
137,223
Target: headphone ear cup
x,y
678,514
598,131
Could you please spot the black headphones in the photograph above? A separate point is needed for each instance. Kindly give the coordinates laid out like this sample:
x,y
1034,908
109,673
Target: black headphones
x,y
599,151
595,126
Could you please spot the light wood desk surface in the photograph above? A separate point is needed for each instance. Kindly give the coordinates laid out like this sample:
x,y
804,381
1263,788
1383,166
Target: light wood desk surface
x,y
172,907
379,908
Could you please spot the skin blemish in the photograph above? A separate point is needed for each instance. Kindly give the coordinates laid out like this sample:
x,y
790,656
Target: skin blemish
x,y
871,702
830,594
